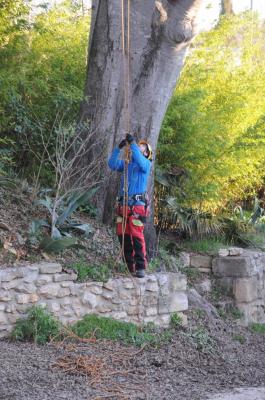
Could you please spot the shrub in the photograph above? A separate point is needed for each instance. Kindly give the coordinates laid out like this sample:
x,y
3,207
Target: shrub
x,y
39,326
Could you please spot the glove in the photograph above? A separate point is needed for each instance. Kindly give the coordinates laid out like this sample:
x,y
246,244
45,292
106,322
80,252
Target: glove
x,y
129,138
122,144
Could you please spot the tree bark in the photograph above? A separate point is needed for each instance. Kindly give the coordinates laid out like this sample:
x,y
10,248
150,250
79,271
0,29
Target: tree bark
x,y
160,33
227,7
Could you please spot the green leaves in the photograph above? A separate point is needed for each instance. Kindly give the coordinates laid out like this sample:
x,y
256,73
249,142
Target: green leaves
x,y
214,128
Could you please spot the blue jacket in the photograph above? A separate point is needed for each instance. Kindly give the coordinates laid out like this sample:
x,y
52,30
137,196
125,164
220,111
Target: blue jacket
x,y
138,171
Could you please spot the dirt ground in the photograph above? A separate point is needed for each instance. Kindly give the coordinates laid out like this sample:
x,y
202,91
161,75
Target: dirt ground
x,y
184,369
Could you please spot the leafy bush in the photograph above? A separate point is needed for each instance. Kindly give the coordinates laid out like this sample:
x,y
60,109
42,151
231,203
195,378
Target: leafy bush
x,y
39,326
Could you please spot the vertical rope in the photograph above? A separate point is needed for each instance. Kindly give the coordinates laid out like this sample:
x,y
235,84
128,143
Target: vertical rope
x,y
126,90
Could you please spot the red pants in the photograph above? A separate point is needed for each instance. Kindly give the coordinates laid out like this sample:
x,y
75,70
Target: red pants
x,y
134,242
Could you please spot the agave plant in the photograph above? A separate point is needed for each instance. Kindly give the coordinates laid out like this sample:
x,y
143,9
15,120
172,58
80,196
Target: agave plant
x,y
61,224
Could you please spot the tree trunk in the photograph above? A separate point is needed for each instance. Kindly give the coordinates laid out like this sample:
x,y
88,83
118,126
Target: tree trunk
x,y
160,34
227,7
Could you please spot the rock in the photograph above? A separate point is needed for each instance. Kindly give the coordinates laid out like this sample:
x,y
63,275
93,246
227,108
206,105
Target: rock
x,y
8,275
184,259
200,261
246,289
205,270
232,266
22,298
177,281
26,288
223,253
64,277
5,295
196,301
50,268
151,311
90,299
43,280
151,286
177,301
235,251
63,292
50,290
95,287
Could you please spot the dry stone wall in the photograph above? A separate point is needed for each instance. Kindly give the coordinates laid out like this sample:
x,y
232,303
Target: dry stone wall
x,y
242,273
152,299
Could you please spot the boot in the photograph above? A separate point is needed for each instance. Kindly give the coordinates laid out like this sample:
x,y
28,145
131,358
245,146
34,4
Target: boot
x,y
140,273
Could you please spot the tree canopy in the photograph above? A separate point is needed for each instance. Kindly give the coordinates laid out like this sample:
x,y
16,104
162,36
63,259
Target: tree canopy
x,y
214,127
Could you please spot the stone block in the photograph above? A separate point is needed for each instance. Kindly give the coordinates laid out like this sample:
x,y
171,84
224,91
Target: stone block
x,y
43,280
11,285
33,298
5,295
151,311
110,285
95,287
50,268
31,277
103,308
250,313
235,251
27,288
205,270
223,253
90,299
151,286
162,279
226,284
10,308
64,277
63,292
22,298
236,267
119,315
200,261
9,274
54,307
177,282
2,306
184,259
50,290
246,289
148,301
177,301
77,289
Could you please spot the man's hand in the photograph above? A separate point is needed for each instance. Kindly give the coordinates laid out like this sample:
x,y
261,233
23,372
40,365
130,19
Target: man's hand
x,y
122,143
129,138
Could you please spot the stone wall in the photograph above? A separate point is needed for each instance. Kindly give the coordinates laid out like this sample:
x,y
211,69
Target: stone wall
x,y
151,299
242,274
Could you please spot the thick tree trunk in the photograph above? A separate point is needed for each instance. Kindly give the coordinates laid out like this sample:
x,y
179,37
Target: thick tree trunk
x,y
227,7
160,33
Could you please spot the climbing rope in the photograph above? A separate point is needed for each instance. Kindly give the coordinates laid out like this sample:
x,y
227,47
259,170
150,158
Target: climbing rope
x,y
126,91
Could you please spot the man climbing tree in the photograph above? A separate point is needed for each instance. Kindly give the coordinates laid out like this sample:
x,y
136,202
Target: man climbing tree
x,y
156,34
132,209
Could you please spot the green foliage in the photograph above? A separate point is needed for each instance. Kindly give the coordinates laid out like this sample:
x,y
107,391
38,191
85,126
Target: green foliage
x,y
60,210
207,245
214,129
175,320
201,339
42,75
38,326
192,223
85,271
258,328
108,328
